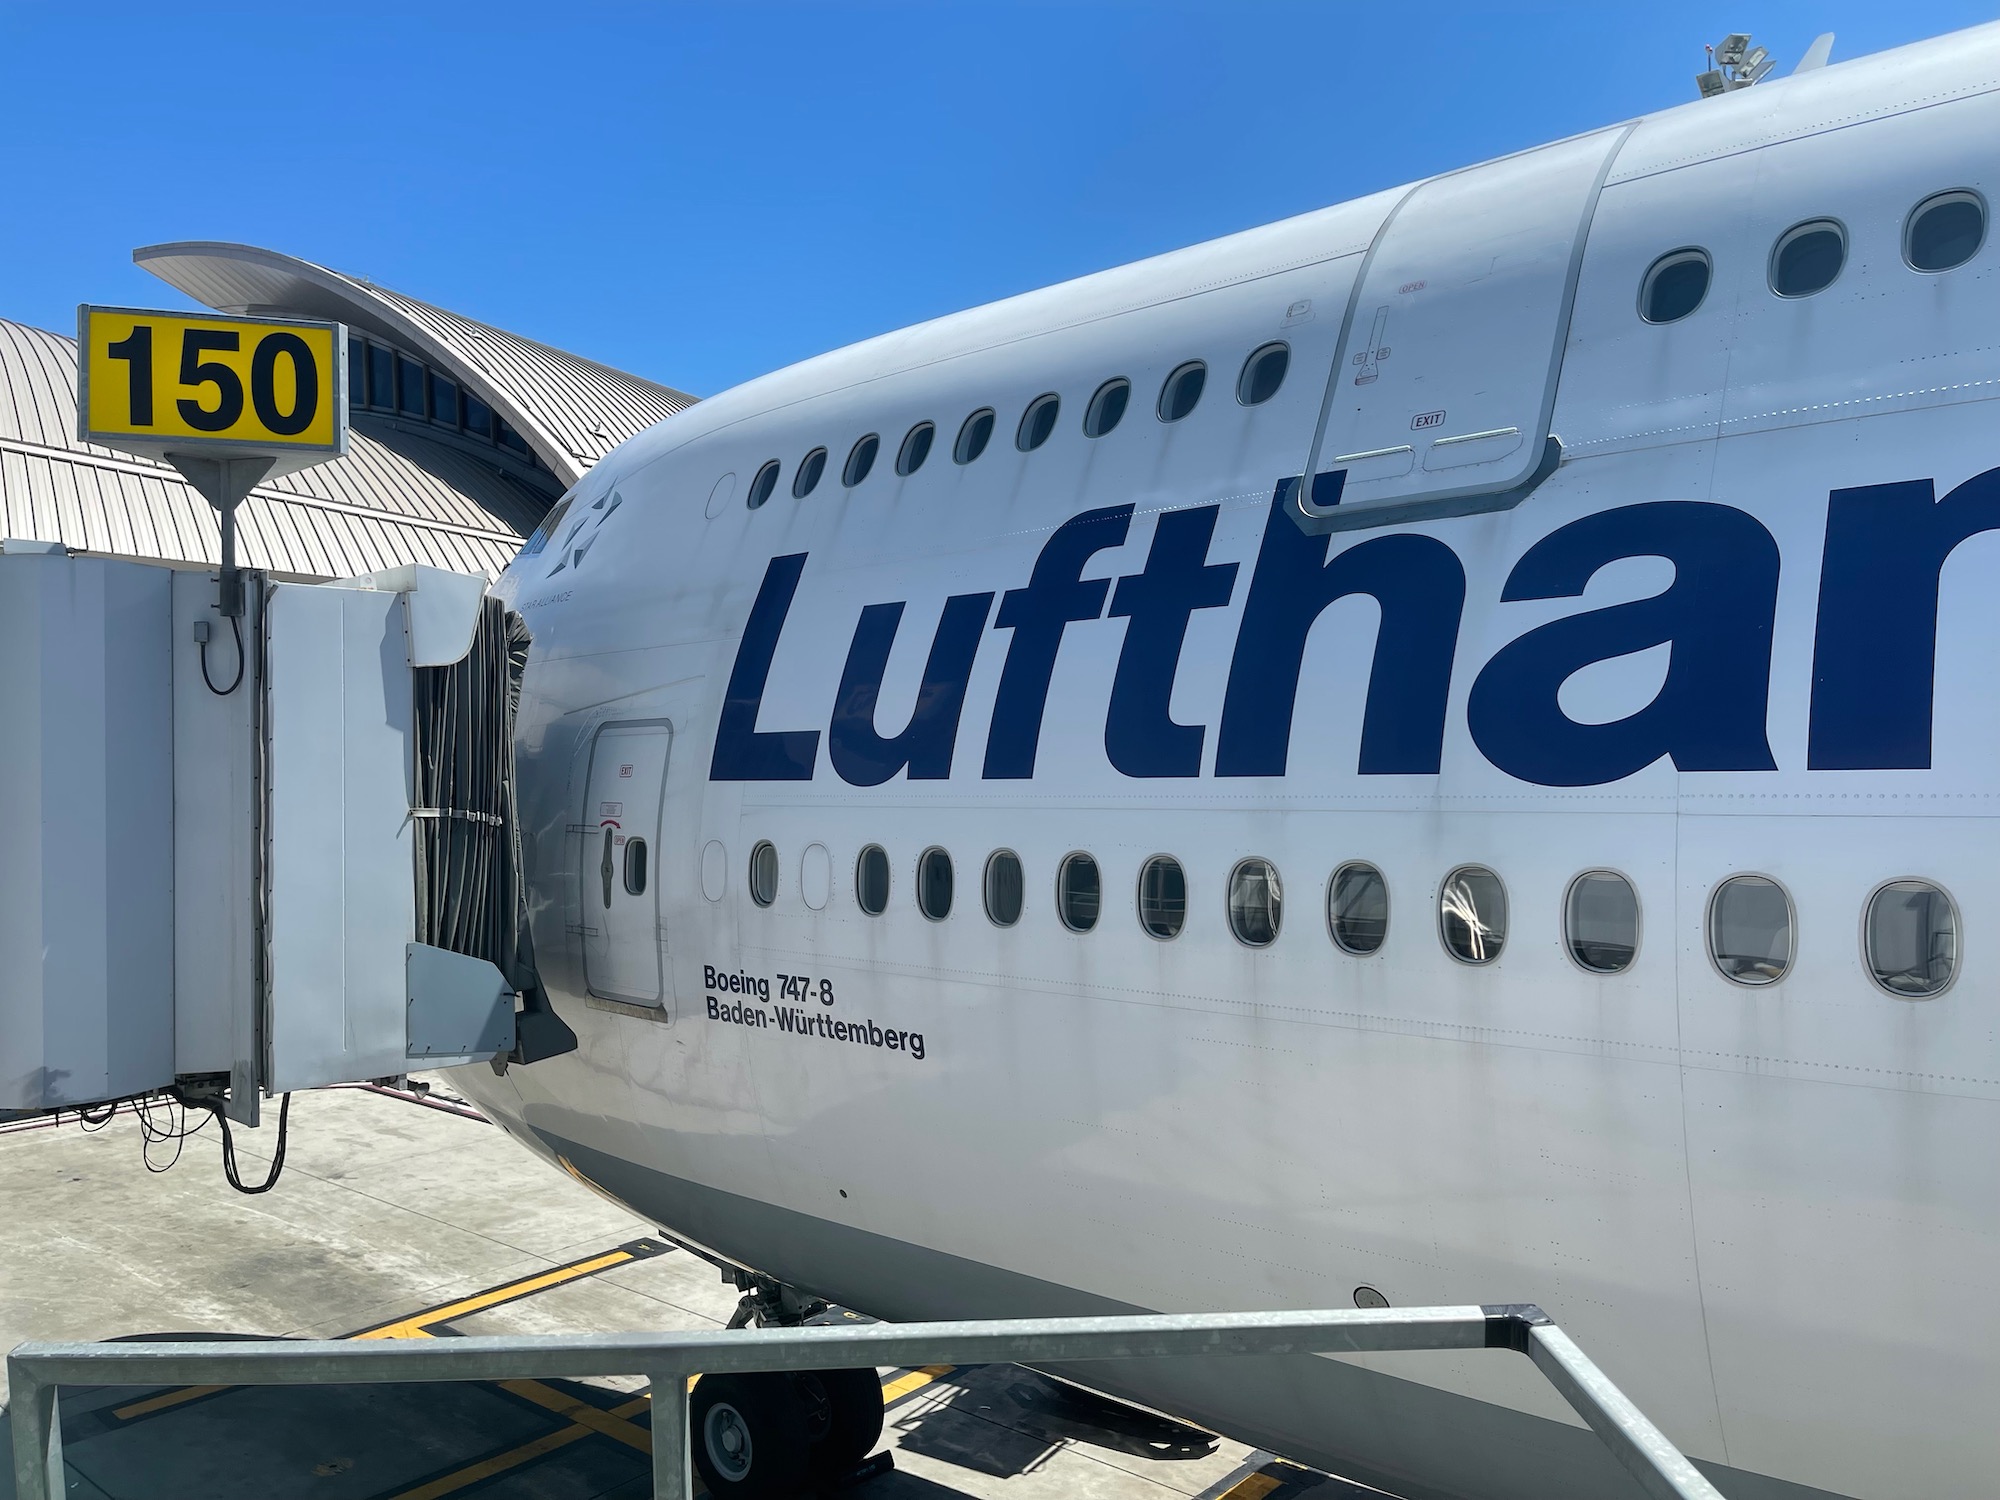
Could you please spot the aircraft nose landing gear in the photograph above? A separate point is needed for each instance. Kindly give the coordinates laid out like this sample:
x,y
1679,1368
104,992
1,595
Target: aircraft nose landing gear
x,y
775,1436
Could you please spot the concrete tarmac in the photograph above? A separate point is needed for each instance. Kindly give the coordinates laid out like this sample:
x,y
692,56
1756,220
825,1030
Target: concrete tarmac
x,y
395,1218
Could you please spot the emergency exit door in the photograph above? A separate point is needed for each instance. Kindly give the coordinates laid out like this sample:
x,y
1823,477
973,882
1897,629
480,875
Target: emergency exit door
x,y
618,872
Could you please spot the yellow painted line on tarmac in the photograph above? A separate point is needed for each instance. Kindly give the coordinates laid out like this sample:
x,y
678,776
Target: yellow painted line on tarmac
x,y
1252,1487
582,1413
916,1380
513,1458
164,1400
418,1325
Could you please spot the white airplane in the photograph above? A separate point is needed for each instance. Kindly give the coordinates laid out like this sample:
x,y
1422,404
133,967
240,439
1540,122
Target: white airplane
x,y
1003,849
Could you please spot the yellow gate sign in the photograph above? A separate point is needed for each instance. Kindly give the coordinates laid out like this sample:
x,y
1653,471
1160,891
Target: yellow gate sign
x,y
161,380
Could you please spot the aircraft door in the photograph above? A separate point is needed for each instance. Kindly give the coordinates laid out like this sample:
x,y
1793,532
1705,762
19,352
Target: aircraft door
x,y
1442,387
618,874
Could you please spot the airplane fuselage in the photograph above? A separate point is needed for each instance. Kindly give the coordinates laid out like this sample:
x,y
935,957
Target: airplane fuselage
x,y
1742,628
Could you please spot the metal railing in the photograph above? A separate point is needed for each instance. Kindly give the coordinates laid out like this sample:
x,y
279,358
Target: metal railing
x,y
668,1360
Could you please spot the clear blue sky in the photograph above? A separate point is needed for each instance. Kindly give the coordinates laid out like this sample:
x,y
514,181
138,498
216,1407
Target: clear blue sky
x,y
702,192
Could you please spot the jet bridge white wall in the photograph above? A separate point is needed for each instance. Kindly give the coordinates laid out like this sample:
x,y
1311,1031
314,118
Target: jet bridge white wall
x,y
342,904
86,831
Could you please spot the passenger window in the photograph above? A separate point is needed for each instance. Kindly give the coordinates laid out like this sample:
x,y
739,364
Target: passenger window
x,y
1107,407
764,874
810,468
1601,922
934,884
973,436
1912,939
1079,892
1255,902
860,459
1037,422
1004,888
1674,286
1750,929
1162,897
635,867
1182,390
916,448
1944,231
761,487
1263,372
1357,909
1472,915
871,880
1808,258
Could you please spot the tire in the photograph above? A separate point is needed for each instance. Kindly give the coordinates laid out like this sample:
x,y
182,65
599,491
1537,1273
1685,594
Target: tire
x,y
749,1436
843,1418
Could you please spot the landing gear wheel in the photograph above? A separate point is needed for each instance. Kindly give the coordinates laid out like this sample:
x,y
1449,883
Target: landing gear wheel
x,y
843,1418
750,1436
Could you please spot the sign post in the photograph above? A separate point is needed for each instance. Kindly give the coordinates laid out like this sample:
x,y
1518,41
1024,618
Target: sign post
x,y
229,402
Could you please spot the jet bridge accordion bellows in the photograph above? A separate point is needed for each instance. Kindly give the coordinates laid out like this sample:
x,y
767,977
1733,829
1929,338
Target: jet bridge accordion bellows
x,y
469,893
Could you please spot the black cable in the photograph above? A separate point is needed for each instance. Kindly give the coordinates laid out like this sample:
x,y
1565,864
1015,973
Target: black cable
x,y
214,1107
236,627
91,1122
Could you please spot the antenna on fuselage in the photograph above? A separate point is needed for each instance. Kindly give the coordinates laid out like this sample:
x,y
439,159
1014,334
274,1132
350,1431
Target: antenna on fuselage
x,y
1734,64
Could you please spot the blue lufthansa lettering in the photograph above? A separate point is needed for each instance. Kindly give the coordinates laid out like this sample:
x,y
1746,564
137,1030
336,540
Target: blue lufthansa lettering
x,y
742,752
1038,615
864,757
1140,735
1717,614
1418,582
1875,642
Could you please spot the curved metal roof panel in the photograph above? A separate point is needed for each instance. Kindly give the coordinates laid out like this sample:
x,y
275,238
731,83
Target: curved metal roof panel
x,y
572,411
395,498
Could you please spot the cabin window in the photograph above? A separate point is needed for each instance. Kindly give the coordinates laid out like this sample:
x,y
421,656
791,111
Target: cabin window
x,y
871,880
860,459
635,867
1357,909
1263,372
807,478
1750,929
934,884
1601,922
1005,889
764,873
973,436
1182,391
1162,897
1912,939
1944,231
1472,915
1079,892
1255,903
761,487
1107,407
1037,422
916,448
1808,258
1674,286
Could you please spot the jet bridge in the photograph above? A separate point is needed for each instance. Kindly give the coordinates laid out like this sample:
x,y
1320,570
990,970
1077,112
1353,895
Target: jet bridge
x,y
241,855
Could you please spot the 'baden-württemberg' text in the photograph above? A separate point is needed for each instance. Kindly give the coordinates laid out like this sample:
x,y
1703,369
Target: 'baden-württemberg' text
x,y
803,1023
